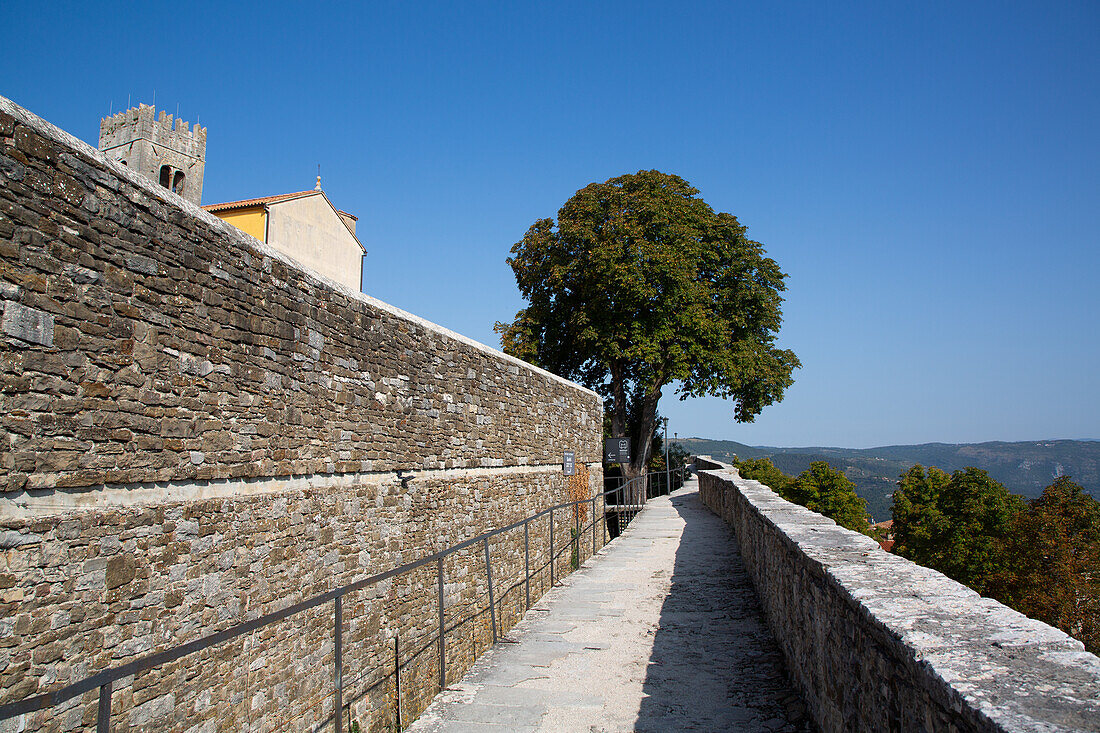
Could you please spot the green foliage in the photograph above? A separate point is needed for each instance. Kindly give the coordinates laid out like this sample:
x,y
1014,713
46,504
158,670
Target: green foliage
x,y
678,456
978,511
639,284
956,525
1052,568
1024,468
823,489
919,525
1041,557
764,471
820,488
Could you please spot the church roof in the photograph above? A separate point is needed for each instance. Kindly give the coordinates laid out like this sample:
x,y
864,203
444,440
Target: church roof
x,y
245,203
267,200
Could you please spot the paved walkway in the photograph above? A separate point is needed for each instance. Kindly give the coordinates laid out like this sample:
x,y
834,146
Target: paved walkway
x,y
661,631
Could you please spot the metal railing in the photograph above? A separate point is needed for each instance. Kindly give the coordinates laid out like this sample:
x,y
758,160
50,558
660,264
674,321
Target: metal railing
x,y
628,497
658,483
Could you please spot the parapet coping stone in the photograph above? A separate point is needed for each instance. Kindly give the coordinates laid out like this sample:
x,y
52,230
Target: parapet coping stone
x,y
239,238
1019,673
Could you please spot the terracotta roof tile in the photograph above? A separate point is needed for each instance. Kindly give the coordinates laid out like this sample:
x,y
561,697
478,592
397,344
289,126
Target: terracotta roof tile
x,y
245,203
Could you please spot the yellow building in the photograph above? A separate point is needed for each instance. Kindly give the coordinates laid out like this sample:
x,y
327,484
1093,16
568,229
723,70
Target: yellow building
x,y
304,225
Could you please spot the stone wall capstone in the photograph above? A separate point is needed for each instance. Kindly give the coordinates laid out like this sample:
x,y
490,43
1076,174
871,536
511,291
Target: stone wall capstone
x,y
878,643
194,431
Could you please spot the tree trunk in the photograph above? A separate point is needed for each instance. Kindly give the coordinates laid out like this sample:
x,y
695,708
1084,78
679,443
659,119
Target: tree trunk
x,y
618,401
644,438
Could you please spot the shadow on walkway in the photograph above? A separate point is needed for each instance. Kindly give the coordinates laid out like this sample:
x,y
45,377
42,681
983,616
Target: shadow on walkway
x,y
715,665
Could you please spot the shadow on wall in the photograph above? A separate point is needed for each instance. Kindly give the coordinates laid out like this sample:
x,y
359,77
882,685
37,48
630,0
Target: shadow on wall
x,y
715,664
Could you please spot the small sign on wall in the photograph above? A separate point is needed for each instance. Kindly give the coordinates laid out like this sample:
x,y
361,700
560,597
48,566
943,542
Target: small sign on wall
x,y
569,464
616,450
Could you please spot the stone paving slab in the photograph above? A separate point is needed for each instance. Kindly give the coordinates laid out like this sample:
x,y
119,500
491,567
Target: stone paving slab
x,y
660,631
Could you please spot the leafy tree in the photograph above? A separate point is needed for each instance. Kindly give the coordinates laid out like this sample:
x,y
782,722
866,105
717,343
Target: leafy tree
x,y
764,471
825,490
1052,571
678,455
957,526
979,512
918,522
638,285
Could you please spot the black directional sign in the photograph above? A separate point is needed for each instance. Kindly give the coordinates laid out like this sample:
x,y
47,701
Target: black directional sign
x,y
616,450
568,464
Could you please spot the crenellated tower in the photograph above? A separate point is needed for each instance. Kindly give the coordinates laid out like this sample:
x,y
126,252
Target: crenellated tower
x,y
173,155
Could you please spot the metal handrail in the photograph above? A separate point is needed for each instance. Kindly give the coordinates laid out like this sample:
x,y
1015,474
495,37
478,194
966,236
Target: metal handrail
x,y
104,679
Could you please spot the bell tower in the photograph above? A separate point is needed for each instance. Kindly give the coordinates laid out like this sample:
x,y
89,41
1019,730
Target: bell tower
x,y
172,155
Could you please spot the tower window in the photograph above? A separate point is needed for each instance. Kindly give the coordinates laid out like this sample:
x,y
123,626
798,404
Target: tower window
x,y
165,176
177,183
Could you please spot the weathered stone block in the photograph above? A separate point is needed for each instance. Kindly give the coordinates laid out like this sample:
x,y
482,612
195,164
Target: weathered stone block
x,y
120,570
27,324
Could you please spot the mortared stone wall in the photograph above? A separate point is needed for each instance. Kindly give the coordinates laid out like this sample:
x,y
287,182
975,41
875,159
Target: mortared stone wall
x,y
195,431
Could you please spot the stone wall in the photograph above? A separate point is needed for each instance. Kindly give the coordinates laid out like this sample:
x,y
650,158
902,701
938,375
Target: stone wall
x,y
878,643
194,431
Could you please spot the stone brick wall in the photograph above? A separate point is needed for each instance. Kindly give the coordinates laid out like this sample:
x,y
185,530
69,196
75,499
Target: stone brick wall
x,y
878,643
194,431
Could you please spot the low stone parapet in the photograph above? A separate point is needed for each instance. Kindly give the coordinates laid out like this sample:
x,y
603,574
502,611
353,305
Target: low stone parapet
x,y
876,642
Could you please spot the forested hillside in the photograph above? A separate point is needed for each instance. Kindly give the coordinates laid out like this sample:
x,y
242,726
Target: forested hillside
x,y
1024,468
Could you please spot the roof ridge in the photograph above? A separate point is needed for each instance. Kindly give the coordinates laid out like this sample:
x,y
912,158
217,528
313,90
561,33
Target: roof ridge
x,y
257,201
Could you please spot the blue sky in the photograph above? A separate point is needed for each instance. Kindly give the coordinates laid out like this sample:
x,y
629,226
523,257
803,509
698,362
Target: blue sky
x,y
928,174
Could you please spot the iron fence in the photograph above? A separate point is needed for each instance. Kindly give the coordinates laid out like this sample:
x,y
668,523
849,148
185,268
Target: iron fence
x,y
624,500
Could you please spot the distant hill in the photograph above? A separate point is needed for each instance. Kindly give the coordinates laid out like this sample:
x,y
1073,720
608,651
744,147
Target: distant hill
x,y
1024,468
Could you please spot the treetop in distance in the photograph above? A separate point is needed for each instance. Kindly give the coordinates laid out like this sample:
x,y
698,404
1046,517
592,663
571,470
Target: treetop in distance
x,y
639,284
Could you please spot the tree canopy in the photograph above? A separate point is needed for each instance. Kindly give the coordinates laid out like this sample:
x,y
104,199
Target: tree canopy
x,y
956,525
820,488
640,284
1052,568
919,525
764,471
825,490
1041,557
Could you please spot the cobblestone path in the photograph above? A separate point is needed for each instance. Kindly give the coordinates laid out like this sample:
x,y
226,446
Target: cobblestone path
x,y
661,631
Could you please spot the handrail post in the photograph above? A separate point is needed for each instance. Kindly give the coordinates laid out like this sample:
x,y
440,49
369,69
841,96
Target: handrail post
x,y
619,507
338,625
593,525
489,578
442,630
397,674
576,531
551,547
604,513
103,717
527,561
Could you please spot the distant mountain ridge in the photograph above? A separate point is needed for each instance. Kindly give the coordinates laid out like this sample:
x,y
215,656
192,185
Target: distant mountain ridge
x,y
1025,467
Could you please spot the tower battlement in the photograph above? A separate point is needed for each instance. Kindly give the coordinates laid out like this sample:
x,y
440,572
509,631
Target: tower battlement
x,y
169,151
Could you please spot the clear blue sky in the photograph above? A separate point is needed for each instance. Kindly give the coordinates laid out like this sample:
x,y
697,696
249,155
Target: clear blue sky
x,y
927,173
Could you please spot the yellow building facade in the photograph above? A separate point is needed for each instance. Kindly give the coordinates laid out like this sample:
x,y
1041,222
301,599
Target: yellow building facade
x,y
305,226
251,220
